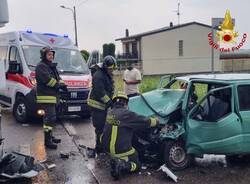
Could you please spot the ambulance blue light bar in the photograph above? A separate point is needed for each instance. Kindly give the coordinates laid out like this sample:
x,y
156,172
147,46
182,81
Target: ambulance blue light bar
x,y
55,35
50,34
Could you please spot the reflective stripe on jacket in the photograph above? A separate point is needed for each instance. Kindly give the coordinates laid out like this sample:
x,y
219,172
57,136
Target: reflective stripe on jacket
x,y
102,90
119,129
48,80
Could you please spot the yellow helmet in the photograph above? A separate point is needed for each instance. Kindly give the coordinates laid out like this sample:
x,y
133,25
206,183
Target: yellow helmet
x,y
120,95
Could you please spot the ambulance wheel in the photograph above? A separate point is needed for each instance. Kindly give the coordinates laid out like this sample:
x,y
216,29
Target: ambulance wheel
x,y
175,155
20,110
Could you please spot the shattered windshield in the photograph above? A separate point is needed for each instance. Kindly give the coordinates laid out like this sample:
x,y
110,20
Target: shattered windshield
x,y
68,60
177,84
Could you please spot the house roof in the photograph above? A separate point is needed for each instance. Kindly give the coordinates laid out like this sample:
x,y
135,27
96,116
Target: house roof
x,y
240,54
161,30
225,77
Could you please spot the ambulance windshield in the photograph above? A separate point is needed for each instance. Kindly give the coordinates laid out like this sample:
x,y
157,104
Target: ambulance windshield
x,y
68,60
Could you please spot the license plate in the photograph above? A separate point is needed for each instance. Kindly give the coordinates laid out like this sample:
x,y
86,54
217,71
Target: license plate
x,y
74,108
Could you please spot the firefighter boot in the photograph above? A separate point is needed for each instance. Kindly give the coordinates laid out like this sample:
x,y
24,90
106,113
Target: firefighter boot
x,y
98,145
48,140
118,167
55,140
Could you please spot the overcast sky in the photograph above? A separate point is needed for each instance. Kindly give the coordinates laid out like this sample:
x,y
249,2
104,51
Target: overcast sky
x,y
102,21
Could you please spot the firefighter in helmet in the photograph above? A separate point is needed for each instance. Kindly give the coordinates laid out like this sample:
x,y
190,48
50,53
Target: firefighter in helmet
x,y
47,93
100,97
118,134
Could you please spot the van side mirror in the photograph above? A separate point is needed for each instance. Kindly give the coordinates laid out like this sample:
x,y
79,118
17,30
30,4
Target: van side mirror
x,y
14,67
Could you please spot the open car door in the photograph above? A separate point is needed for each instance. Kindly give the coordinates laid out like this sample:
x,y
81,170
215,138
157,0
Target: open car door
x,y
212,126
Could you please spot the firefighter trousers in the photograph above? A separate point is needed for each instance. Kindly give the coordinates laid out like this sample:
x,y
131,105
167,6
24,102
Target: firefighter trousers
x,y
132,162
98,120
49,117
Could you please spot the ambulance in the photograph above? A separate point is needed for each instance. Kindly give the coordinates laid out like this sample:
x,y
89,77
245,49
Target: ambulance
x,y
20,52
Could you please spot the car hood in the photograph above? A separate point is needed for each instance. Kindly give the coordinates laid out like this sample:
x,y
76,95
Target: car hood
x,y
160,102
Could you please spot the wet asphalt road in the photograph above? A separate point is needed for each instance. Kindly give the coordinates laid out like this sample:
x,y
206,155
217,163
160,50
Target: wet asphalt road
x,y
79,169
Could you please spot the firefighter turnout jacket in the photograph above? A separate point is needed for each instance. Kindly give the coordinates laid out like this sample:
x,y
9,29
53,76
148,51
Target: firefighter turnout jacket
x,y
119,128
102,90
48,81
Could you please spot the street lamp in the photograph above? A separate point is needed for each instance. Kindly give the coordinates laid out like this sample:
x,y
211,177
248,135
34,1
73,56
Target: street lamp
x,y
74,16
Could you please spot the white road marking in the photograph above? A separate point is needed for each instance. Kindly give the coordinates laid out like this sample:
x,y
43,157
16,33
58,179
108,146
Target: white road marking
x,y
70,128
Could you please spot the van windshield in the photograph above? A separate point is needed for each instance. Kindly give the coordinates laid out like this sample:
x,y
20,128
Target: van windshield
x,y
68,60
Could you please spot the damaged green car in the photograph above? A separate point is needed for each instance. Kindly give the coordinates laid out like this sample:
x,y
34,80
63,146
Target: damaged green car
x,y
199,114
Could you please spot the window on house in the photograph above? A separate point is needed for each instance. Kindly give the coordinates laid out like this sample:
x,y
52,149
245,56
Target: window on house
x,y
127,48
180,47
134,49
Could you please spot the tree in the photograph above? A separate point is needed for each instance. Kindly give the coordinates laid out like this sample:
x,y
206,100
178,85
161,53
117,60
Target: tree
x,y
108,49
105,48
85,54
112,49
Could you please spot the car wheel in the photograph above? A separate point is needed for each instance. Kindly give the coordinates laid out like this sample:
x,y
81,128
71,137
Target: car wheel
x,y
20,110
175,155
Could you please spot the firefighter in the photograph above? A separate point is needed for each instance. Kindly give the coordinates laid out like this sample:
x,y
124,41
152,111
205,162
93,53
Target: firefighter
x,y
118,134
48,85
100,97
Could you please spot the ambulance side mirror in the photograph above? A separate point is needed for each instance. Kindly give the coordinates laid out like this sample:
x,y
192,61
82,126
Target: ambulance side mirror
x,y
14,67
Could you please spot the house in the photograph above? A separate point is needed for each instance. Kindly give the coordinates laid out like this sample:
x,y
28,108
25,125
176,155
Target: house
x,y
182,48
238,61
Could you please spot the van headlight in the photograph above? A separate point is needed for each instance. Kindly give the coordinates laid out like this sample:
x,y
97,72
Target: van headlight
x,y
40,112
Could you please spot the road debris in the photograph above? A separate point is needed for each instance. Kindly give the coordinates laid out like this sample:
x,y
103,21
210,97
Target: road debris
x,y
16,165
168,172
143,167
50,166
25,125
64,155
90,152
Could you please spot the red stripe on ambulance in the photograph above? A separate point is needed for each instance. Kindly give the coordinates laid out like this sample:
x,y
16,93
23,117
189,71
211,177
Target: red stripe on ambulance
x,y
19,79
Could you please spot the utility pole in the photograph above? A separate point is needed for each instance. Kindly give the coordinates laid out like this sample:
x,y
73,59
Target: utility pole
x,y
74,17
178,13
76,41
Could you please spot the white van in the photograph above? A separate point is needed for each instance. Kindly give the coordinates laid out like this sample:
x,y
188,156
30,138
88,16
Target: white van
x,y
20,52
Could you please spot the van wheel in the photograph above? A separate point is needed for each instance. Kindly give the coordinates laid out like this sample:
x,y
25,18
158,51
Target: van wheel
x,y
20,110
175,155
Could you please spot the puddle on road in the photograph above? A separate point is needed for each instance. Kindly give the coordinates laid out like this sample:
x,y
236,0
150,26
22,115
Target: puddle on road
x,y
38,151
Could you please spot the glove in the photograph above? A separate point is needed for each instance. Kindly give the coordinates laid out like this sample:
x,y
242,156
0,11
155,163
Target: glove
x,y
158,125
109,104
